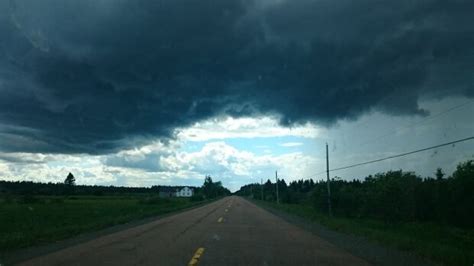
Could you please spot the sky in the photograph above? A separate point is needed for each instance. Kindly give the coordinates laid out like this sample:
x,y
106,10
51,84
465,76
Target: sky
x,y
142,93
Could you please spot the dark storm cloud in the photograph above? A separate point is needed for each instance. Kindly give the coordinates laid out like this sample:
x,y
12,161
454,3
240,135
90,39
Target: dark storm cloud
x,y
97,76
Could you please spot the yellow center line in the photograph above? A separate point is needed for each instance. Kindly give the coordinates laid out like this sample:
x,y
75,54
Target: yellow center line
x,y
195,259
220,220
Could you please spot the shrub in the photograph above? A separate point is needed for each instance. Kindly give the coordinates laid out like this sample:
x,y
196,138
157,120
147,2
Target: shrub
x,y
196,197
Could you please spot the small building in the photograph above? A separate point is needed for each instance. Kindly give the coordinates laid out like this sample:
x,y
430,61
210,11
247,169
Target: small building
x,y
184,192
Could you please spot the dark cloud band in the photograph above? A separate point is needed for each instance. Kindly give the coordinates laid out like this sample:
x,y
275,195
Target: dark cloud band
x,y
98,76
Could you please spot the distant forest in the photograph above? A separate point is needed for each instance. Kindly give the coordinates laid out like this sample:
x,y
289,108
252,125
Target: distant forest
x,y
209,189
58,189
394,196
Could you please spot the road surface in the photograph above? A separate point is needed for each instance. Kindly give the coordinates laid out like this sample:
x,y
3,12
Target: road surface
x,y
230,231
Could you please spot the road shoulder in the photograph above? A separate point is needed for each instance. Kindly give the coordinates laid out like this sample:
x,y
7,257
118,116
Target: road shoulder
x,y
373,252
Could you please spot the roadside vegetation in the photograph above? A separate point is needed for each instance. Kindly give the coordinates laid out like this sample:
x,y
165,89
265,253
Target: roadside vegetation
x,y
432,216
33,213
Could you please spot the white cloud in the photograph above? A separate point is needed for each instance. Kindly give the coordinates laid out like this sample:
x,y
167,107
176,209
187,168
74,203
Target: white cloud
x,y
262,127
225,161
87,169
149,157
222,161
160,163
350,142
291,144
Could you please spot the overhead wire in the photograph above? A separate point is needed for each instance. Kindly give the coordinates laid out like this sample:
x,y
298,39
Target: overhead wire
x,y
406,153
392,156
416,124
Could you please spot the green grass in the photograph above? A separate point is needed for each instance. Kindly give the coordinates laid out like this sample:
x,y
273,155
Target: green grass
x,y
445,244
41,220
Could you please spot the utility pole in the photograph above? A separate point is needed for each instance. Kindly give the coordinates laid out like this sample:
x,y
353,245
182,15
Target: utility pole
x,y
261,188
276,177
328,180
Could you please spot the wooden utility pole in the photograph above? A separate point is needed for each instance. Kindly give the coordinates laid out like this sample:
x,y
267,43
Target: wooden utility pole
x,y
261,188
328,180
276,177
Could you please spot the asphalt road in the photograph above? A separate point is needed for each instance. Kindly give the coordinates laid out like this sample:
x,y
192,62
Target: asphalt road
x,y
231,231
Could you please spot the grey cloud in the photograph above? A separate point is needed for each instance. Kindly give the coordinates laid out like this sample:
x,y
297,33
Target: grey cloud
x,y
22,158
99,76
150,162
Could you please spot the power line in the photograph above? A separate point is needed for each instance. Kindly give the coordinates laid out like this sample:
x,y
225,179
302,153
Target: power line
x,y
416,124
403,154
393,156
407,153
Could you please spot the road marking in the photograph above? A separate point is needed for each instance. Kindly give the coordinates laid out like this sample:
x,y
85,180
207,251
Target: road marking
x,y
226,210
220,220
195,259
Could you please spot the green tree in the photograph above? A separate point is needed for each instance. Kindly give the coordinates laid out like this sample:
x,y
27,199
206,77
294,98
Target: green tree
x,y
462,196
212,189
208,187
70,180
439,173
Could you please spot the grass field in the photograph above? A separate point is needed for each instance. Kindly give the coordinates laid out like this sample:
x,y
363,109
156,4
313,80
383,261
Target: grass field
x,y
448,245
31,221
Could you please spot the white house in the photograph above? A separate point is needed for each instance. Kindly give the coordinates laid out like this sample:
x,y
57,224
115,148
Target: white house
x,y
184,192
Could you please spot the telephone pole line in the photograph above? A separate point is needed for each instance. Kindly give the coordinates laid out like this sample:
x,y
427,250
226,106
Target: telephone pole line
x,y
328,180
276,177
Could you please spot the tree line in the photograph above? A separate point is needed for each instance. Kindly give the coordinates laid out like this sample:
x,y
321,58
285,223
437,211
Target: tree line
x,y
211,189
393,196
59,189
208,190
